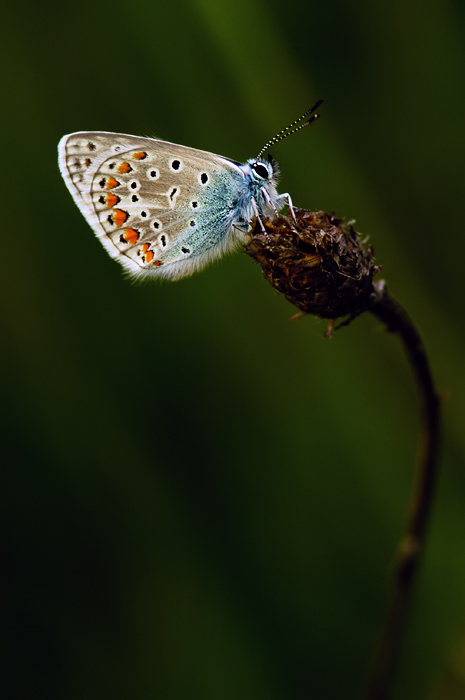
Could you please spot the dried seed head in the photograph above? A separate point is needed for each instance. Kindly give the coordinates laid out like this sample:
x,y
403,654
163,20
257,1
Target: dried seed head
x,y
319,264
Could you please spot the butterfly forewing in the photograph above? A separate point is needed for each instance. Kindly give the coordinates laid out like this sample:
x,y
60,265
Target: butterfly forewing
x,y
158,207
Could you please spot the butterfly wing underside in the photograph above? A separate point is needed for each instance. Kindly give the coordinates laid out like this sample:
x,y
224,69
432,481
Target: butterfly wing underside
x,y
158,208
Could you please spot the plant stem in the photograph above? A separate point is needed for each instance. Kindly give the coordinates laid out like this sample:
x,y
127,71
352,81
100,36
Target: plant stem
x,y
391,313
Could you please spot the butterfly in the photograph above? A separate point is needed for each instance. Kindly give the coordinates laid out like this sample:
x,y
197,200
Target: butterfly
x,y
166,210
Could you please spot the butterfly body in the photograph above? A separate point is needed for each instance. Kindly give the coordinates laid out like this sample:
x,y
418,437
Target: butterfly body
x,y
162,209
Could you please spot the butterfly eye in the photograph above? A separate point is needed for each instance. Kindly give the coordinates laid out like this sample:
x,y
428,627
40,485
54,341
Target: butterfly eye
x,y
261,171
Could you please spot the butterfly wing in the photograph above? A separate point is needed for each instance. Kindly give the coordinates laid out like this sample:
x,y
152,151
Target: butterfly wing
x,y
158,208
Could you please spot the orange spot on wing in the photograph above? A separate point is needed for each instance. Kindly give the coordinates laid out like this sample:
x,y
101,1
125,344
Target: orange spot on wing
x,y
111,200
157,263
111,182
124,167
119,216
140,155
130,236
145,248
149,256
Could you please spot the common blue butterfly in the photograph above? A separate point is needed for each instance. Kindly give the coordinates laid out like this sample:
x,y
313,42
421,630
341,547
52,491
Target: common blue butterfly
x,y
165,210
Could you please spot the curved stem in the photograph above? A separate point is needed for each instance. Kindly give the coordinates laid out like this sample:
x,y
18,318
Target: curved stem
x,y
390,312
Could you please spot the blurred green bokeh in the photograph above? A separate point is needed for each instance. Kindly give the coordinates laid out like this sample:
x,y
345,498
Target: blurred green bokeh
x,y
201,500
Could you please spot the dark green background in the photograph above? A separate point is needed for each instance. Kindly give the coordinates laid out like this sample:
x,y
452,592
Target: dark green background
x,y
200,499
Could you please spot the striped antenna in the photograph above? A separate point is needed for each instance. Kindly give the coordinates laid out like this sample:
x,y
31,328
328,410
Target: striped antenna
x,y
292,128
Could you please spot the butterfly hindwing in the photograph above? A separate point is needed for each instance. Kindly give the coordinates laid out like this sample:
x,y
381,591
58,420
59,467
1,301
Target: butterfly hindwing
x,y
159,208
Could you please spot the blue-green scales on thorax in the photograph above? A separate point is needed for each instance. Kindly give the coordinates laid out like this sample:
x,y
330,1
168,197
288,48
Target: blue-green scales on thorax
x,y
224,210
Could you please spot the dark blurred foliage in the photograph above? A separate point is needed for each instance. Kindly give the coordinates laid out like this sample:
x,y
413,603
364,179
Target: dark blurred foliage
x,y
200,499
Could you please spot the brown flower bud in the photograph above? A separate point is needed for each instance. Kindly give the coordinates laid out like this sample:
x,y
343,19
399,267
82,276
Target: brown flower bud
x,y
319,264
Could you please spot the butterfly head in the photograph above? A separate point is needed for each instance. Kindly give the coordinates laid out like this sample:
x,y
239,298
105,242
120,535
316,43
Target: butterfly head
x,y
264,171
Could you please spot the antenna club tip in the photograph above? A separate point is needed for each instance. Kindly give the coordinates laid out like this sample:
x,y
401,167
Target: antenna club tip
x,y
295,126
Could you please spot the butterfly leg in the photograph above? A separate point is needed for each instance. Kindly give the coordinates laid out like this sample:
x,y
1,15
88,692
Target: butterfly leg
x,y
289,204
242,226
281,197
269,200
255,209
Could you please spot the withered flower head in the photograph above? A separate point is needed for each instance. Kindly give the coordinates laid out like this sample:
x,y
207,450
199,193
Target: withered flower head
x,y
318,263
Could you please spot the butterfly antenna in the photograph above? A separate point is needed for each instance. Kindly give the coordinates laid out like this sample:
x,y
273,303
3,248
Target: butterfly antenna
x,y
292,128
